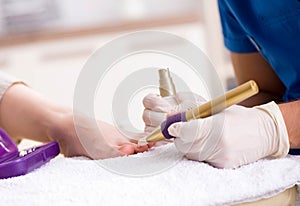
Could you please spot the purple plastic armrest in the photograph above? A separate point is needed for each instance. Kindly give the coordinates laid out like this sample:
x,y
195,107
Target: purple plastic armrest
x,y
14,163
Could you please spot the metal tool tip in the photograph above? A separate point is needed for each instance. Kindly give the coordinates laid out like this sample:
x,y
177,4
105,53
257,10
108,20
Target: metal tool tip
x,y
142,141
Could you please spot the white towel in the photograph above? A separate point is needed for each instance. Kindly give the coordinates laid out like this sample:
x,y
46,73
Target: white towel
x,y
78,181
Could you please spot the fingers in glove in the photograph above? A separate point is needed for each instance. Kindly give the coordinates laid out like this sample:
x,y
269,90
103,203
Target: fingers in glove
x,y
157,103
152,118
189,96
193,138
184,139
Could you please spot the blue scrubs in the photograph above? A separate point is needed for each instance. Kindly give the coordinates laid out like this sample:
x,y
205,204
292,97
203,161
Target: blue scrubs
x,y
271,27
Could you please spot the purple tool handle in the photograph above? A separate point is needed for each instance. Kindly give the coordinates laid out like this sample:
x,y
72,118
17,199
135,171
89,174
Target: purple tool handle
x,y
180,117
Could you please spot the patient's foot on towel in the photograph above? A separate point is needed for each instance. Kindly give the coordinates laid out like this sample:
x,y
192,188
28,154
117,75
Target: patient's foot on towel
x,y
83,137
26,114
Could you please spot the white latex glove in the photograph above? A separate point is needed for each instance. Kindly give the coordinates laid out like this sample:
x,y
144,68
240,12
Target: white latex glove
x,y
158,108
245,135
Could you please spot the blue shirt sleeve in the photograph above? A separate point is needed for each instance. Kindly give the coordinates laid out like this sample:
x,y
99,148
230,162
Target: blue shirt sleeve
x,y
235,37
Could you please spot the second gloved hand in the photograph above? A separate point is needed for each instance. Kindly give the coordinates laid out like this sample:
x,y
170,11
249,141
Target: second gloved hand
x,y
158,108
241,136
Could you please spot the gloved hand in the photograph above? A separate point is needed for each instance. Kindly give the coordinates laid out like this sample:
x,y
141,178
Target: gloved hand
x,y
157,109
246,135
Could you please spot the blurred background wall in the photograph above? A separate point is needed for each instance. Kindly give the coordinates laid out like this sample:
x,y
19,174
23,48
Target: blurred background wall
x,y
46,42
